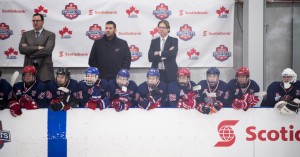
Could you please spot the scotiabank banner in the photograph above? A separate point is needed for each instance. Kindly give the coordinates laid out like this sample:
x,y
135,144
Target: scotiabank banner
x,y
204,29
166,132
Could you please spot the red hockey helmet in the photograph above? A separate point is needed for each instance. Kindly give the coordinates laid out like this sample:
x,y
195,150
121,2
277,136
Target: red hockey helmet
x,y
243,71
184,72
29,69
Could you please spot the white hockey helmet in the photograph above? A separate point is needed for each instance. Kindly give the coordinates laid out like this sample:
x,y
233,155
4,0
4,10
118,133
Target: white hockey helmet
x,y
290,74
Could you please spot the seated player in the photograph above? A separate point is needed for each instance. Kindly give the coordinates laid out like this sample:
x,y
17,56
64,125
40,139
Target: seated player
x,y
5,92
93,91
29,94
122,91
285,94
62,92
152,93
241,90
212,94
180,92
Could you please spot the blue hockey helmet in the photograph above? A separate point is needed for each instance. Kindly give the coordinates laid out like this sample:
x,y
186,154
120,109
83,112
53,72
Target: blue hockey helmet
x,y
213,70
153,72
124,73
92,70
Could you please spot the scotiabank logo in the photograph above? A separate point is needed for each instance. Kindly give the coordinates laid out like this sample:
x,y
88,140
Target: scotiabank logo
x,y
273,135
226,133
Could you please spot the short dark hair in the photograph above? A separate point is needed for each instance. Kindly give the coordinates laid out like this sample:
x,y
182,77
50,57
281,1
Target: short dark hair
x,y
166,23
41,16
111,23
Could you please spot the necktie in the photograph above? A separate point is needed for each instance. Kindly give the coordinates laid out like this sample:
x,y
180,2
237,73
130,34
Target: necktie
x,y
163,40
37,34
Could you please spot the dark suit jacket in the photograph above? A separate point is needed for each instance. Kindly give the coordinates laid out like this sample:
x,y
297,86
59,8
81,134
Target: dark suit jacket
x,y
169,52
43,57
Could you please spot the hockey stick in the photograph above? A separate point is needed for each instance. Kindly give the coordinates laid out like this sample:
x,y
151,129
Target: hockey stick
x,y
263,93
14,78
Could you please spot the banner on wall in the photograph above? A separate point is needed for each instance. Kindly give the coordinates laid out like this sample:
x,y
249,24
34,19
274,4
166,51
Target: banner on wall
x,y
169,132
204,29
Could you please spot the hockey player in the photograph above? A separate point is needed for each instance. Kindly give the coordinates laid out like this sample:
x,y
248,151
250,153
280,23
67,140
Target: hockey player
x,y
212,94
285,94
5,92
29,94
241,90
122,91
62,92
153,92
180,92
92,90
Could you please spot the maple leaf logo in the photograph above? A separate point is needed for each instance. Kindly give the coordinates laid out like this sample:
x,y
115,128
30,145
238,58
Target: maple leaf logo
x,y
131,10
40,9
154,31
222,11
64,31
10,51
193,53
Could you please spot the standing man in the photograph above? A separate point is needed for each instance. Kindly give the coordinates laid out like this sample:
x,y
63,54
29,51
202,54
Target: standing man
x,y
37,46
110,53
163,52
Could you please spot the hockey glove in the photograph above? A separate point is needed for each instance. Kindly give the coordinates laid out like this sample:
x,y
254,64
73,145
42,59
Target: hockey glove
x,y
15,108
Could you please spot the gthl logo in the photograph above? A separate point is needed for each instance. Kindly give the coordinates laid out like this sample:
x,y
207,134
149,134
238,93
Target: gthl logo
x,y
4,136
226,133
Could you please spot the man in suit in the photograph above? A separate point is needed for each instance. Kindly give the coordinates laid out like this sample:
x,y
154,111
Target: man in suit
x,y
37,46
163,52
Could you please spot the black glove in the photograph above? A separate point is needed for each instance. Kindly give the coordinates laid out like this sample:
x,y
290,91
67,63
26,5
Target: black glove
x,y
56,106
156,93
293,106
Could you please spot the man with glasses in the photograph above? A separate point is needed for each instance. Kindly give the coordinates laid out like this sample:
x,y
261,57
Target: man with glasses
x,y
110,53
37,46
163,52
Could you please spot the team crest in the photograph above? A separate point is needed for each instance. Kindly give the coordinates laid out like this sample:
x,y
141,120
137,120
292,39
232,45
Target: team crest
x,y
193,54
65,33
41,10
71,11
95,32
5,32
162,11
4,136
135,53
186,33
222,53
132,12
222,12
11,53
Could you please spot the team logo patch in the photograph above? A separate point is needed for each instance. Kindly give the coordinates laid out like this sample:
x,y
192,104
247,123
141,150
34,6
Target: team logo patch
x,y
221,53
222,12
41,10
186,32
71,11
5,32
65,33
132,12
11,53
226,133
193,54
135,53
162,11
4,136
95,32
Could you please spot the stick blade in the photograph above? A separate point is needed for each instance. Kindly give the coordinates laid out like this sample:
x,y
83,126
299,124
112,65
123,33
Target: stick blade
x,y
14,78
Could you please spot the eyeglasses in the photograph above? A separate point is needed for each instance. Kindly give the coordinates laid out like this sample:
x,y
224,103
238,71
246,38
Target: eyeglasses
x,y
162,27
35,21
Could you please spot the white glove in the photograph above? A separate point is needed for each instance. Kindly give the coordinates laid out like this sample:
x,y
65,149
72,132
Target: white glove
x,y
64,89
198,87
